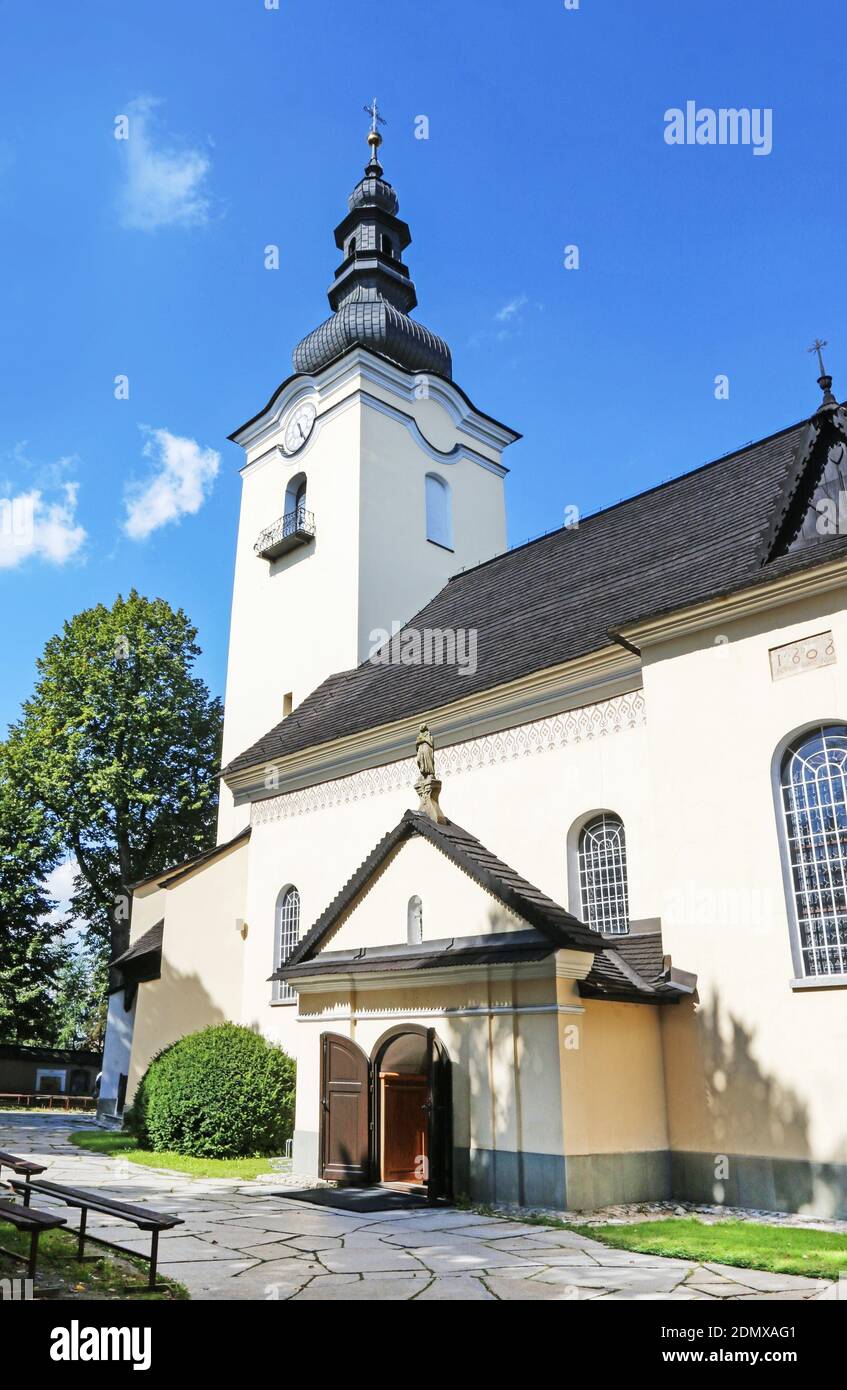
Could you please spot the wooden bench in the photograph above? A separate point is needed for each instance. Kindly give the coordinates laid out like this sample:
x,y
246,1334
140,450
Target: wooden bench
x,y
142,1217
34,1222
24,1167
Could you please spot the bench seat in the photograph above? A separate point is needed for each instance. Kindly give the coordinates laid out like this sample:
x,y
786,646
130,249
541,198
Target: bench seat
x,y
33,1222
142,1217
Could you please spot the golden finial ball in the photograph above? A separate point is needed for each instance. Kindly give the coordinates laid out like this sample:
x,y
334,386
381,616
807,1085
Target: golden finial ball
x,y
374,139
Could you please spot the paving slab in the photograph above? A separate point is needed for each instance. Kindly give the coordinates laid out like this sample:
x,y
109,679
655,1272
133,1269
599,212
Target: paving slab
x,y
241,1241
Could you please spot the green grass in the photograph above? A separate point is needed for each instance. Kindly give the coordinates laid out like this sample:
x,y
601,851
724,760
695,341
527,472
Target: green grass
x,y
747,1244
101,1275
117,1145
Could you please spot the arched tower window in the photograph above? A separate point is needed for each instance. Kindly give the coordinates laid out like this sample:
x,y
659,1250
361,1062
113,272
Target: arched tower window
x,y
439,522
414,921
286,936
295,497
813,788
602,875
387,248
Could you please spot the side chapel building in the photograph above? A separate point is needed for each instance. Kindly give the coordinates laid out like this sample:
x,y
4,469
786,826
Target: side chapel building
x,y
614,966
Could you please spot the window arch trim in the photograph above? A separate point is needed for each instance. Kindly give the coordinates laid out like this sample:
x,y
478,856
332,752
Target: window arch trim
x,y
286,937
802,956
600,892
438,498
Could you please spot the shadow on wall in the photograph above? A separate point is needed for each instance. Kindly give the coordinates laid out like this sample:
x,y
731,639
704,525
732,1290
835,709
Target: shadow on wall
x,y
753,1146
168,1008
490,1107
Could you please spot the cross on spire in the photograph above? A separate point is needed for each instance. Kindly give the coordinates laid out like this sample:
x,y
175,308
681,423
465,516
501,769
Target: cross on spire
x,y
824,381
376,118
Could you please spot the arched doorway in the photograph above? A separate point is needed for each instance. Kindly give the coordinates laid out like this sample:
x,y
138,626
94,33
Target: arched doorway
x,y
388,1118
412,1110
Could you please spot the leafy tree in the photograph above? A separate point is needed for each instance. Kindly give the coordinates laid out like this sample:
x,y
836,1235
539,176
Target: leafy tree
x,y
81,1001
120,745
31,951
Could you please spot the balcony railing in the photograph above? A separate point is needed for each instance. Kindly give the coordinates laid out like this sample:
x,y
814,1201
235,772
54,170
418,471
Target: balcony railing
x,y
294,529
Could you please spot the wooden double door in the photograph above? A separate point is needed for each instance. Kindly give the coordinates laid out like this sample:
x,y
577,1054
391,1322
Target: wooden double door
x,y
387,1117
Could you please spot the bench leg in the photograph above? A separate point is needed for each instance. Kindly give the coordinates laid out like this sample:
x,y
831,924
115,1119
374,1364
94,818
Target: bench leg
x,y
154,1256
26,1192
83,1216
33,1253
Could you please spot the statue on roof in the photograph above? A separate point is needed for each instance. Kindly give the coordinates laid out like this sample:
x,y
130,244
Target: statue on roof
x,y
425,752
427,785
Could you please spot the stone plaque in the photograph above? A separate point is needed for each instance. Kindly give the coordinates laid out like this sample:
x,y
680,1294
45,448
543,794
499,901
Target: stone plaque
x,y
804,655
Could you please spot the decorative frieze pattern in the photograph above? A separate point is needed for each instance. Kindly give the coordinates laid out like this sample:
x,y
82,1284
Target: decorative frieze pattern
x,y
581,725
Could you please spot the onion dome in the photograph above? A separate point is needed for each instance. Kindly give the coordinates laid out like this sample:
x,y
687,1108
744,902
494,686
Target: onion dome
x,y
372,293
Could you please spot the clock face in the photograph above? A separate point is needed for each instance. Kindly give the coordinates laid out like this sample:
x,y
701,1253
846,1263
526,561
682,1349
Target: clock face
x,y
299,427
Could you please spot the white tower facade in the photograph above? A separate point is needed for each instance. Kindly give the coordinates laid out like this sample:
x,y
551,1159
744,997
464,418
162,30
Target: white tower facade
x,y
369,479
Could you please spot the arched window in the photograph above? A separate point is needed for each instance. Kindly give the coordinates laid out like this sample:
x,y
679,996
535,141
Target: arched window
x,y
286,936
295,497
387,248
439,524
602,875
414,921
813,788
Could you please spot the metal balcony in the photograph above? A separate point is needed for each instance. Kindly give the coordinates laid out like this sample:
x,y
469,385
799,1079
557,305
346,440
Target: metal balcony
x,y
292,530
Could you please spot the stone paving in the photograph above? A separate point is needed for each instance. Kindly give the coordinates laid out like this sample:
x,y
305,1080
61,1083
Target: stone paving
x,y
248,1240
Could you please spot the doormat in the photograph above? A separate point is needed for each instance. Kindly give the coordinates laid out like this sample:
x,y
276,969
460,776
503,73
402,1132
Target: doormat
x,y
356,1199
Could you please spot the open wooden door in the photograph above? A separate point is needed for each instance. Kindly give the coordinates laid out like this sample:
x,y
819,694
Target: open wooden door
x,y
345,1110
440,1146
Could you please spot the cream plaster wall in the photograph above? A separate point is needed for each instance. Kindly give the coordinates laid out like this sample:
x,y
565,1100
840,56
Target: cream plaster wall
x,y
399,569
148,908
613,1081
202,961
755,1067
455,904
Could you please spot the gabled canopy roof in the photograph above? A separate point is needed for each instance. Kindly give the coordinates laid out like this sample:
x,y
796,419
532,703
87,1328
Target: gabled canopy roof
x,y
555,925
634,970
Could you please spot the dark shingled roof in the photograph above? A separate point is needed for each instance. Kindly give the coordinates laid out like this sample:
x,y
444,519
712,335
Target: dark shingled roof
x,y
555,925
702,535
633,969
149,944
167,877
642,951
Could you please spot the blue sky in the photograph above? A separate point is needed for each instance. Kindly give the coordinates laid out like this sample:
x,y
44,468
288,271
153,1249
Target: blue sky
x,y
546,129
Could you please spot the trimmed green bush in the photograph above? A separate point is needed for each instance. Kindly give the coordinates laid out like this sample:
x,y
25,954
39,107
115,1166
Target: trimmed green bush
x,y
225,1092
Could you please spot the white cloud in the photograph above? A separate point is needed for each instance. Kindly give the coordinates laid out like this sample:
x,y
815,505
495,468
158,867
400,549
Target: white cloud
x,y
513,307
58,886
179,483
165,185
47,530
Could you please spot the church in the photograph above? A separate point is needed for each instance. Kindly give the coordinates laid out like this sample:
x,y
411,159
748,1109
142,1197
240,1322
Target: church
x,y
534,859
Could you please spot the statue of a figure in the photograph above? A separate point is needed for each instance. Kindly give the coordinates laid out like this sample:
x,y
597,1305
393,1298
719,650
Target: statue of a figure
x,y
425,752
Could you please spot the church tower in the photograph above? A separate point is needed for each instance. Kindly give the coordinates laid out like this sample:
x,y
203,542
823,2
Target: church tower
x,y
369,479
